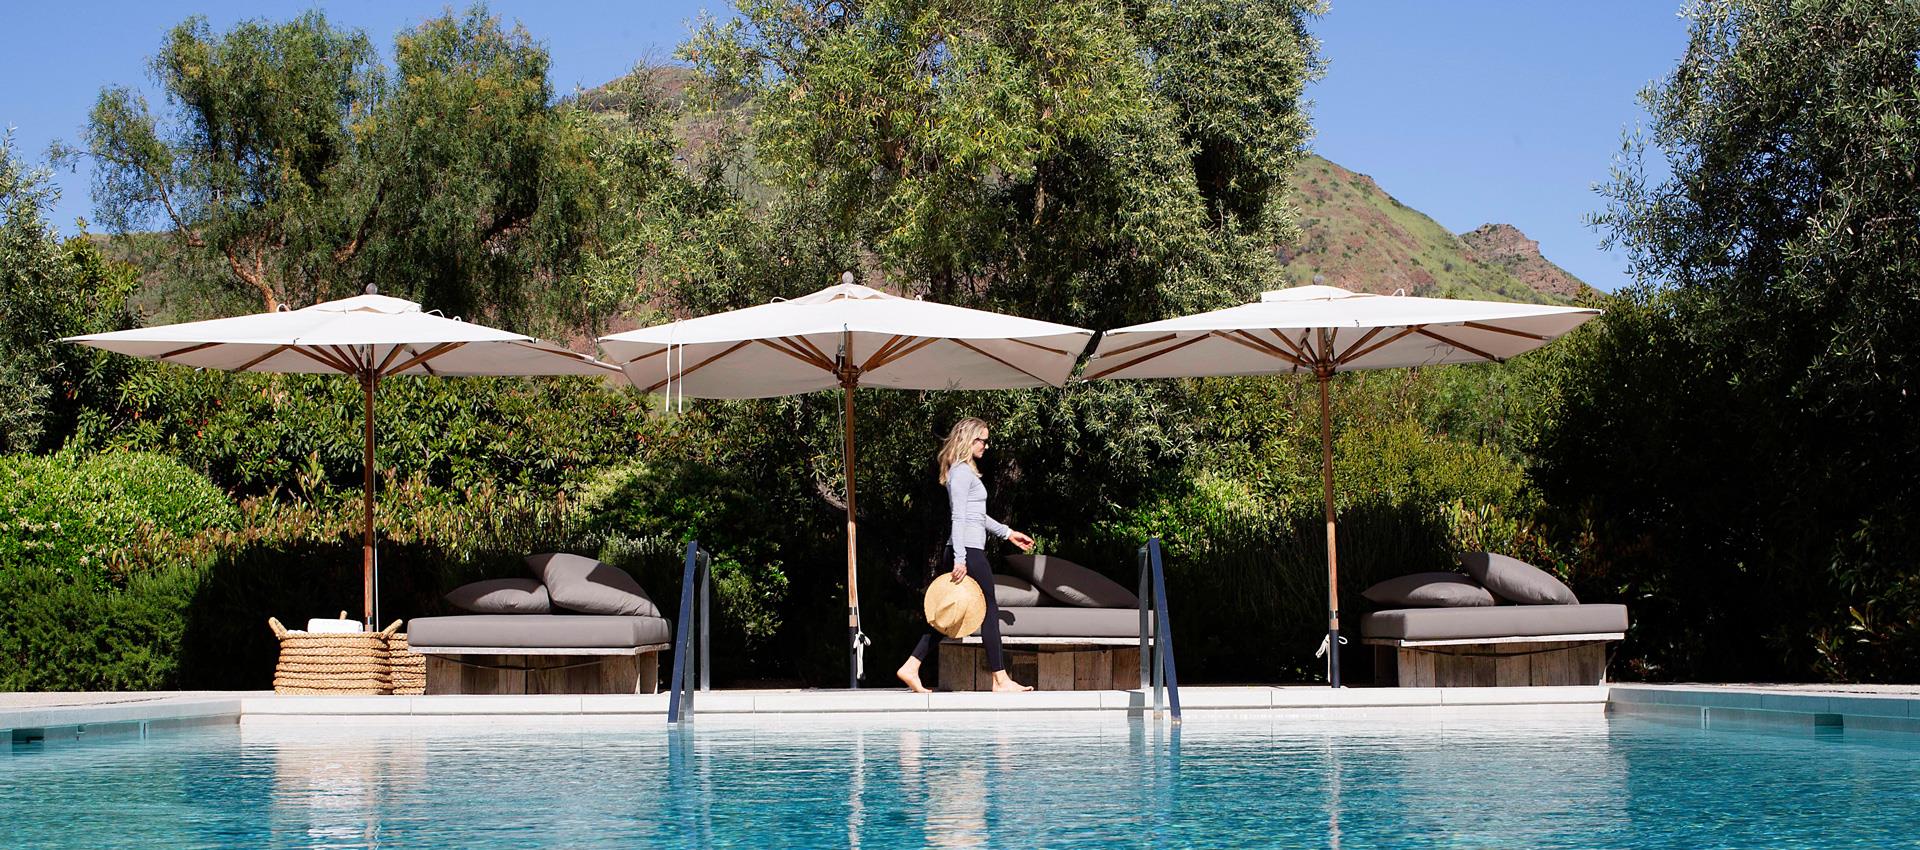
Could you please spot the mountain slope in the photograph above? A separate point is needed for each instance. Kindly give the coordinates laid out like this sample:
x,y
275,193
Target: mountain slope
x,y
1358,237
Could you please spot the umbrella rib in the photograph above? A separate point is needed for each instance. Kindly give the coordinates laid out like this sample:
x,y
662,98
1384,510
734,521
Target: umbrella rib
x,y
1126,348
797,355
262,358
346,356
421,359
1149,356
897,357
697,366
881,352
1509,331
651,354
391,355
324,358
1352,356
1261,346
189,349
1466,348
1362,340
562,353
995,358
1305,357
1045,348
809,346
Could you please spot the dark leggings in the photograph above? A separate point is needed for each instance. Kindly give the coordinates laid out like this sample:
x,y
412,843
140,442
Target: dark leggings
x,y
977,570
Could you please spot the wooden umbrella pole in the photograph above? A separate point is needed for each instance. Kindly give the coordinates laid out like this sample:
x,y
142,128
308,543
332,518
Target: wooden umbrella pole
x,y
1333,560
849,379
367,380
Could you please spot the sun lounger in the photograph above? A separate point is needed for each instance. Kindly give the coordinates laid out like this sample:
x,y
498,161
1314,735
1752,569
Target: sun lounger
x,y
541,653
1493,645
1055,648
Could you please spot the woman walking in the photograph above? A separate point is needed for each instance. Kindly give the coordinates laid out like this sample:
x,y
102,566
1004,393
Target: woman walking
x,y
968,496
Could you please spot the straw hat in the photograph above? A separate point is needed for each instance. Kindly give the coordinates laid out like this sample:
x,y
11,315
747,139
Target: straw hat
x,y
955,609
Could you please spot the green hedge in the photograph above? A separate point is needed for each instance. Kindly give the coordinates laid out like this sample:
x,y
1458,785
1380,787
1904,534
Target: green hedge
x,y
100,559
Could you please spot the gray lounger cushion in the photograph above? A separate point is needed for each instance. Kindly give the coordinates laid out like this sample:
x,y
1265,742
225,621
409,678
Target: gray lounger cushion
x,y
539,631
590,587
1016,592
1516,581
1062,621
1071,583
502,596
1499,621
1429,590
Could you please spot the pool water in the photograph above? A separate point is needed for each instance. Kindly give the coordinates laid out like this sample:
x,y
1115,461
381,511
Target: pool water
x,y
1001,781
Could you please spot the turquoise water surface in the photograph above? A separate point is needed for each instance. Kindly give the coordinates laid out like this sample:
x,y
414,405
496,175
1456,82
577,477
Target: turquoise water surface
x,y
1002,781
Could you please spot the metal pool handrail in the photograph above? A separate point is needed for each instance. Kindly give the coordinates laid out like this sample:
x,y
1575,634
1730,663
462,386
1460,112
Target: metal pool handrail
x,y
680,697
1156,655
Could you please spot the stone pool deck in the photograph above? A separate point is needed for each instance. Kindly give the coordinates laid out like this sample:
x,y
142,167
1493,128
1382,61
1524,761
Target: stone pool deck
x,y
69,716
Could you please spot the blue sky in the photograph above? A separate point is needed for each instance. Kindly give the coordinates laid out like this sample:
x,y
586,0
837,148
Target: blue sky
x,y
1471,112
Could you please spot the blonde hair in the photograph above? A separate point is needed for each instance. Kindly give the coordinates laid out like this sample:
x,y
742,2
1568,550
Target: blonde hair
x,y
959,445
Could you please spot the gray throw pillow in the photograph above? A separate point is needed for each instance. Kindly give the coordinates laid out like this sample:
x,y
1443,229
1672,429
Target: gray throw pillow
x,y
1516,581
590,587
502,596
1071,583
1429,590
1016,592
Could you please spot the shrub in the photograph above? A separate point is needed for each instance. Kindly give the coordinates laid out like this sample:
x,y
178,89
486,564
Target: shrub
x,y
100,558
58,635
96,519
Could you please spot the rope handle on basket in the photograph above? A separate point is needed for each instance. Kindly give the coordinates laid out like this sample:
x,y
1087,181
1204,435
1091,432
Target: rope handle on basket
x,y
390,629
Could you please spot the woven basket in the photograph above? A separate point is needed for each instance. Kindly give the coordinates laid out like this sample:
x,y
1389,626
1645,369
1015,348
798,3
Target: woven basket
x,y
406,669
348,663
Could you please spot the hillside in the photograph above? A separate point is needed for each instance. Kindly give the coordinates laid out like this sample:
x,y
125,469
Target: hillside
x,y
1361,238
1352,232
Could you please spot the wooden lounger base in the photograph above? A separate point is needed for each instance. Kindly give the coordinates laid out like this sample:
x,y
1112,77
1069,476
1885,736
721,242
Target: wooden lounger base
x,y
1492,662
1048,664
515,670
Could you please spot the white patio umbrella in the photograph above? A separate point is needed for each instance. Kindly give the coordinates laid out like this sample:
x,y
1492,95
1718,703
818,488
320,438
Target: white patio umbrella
x,y
845,336
1323,330
371,337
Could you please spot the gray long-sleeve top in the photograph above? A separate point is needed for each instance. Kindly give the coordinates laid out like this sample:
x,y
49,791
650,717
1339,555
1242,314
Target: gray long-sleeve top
x,y
968,496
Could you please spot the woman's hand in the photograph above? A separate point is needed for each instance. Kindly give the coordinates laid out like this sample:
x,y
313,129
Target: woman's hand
x,y
959,571
1021,540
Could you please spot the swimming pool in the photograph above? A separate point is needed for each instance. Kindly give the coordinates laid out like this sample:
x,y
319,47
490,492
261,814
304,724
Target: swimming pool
x,y
1001,781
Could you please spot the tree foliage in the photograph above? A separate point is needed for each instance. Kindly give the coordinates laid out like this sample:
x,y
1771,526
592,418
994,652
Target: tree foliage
x,y
289,151
1741,428
50,289
1061,159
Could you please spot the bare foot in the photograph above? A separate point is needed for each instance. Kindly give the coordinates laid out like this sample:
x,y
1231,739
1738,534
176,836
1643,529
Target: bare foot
x,y
1009,686
911,676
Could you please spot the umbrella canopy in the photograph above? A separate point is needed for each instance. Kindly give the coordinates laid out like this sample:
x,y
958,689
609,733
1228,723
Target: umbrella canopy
x,y
370,337
1324,330
805,344
846,336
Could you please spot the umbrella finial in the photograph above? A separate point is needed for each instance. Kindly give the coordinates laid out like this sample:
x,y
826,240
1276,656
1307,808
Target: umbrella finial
x,y
846,277
373,289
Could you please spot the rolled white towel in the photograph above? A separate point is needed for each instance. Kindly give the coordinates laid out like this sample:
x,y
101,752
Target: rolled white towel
x,y
334,627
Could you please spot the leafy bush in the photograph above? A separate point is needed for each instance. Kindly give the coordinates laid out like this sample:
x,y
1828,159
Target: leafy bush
x,y
100,560
58,635
96,519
